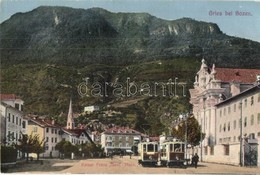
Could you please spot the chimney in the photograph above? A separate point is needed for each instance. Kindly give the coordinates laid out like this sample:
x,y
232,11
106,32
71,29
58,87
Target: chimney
x,y
53,122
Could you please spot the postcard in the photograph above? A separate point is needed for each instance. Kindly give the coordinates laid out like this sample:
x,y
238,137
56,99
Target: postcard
x,y
130,86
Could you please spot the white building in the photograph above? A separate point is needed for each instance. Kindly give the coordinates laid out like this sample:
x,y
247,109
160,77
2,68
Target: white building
x,y
229,113
91,109
119,138
211,87
14,123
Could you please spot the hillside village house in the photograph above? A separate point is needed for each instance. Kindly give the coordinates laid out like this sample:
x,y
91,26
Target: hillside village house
x,y
119,138
14,123
47,131
216,98
52,133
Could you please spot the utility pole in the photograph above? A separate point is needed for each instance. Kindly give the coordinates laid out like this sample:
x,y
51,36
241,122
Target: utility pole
x,y
241,139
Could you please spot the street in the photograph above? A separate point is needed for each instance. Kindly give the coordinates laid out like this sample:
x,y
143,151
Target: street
x,y
126,165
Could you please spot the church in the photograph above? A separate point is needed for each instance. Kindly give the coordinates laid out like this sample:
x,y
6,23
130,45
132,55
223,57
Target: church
x,y
226,104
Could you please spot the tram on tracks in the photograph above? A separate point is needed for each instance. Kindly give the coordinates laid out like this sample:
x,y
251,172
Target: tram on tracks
x,y
172,154
148,153
169,153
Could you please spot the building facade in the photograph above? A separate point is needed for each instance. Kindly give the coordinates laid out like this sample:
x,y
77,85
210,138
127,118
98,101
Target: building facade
x,y
211,87
239,115
119,138
47,131
12,117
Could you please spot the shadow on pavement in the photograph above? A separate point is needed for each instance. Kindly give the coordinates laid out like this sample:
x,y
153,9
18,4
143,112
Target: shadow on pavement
x,y
45,165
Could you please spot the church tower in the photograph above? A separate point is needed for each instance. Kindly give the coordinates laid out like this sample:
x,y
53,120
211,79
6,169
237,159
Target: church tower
x,y
70,119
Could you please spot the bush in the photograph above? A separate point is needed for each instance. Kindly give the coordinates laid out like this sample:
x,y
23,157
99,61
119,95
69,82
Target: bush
x,y
8,154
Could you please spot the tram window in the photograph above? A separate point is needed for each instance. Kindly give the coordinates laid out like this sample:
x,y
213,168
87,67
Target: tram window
x,y
183,147
177,147
150,148
171,148
144,148
156,147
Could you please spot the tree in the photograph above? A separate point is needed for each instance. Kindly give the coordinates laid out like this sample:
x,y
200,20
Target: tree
x,y
30,144
38,145
194,134
66,148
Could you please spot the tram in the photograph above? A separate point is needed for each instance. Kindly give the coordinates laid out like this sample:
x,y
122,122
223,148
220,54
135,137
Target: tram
x,y
173,154
148,153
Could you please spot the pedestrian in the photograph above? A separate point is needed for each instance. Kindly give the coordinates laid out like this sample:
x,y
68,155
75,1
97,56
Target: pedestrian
x,y
195,160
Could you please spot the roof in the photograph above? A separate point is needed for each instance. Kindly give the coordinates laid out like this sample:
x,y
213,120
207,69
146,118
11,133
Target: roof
x,y
9,106
237,75
254,88
43,122
9,97
77,133
121,130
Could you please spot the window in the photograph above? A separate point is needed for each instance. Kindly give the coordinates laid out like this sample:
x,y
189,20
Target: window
x,y
228,126
212,150
245,122
229,110
21,107
252,119
55,139
245,103
220,113
52,131
16,105
35,129
13,119
24,124
47,130
55,131
150,147
224,112
235,124
226,150
258,134
9,117
16,120
52,140
47,139
258,118
252,100
220,140
224,128
252,135
20,122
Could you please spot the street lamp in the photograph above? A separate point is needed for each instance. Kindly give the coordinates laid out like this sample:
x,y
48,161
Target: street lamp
x,y
185,117
241,140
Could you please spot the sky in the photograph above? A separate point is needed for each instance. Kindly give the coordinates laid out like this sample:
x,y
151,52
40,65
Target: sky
x,y
227,14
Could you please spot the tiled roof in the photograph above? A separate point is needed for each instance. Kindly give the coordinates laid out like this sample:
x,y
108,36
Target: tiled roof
x,y
237,75
121,130
8,97
43,122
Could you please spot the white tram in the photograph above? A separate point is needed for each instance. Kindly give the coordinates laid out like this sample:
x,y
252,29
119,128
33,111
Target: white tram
x,y
148,153
173,154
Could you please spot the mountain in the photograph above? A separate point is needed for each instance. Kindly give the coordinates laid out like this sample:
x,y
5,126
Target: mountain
x,y
68,36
